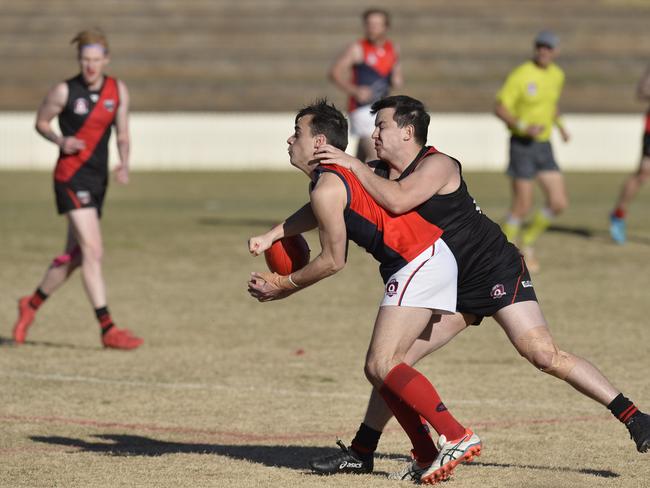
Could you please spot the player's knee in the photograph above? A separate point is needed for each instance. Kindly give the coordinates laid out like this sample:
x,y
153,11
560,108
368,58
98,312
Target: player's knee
x,y
643,175
376,370
93,252
559,205
538,347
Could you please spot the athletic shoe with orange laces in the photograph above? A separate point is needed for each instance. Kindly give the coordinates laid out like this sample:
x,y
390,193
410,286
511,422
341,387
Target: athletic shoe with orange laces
x,y
450,455
26,316
115,338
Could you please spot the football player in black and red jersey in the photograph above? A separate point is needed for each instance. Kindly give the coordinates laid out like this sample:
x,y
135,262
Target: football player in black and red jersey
x,y
87,106
415,200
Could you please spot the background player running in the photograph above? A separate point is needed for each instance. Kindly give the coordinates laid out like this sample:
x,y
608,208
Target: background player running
x,y
633,183
87,106
366,71
492,278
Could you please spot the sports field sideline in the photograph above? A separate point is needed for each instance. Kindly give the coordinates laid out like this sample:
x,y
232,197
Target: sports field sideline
x,y
229,392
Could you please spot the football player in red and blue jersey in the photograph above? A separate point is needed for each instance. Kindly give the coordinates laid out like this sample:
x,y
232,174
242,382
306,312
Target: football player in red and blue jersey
x,y
366,71
87,106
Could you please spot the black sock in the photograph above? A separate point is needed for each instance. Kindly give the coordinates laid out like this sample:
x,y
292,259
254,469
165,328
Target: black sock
x,y
104,319
622,408
366,440
37,298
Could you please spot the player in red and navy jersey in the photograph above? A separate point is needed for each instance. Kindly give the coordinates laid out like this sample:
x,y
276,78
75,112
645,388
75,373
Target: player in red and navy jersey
x,y
87,106
633,183
492,279
366,71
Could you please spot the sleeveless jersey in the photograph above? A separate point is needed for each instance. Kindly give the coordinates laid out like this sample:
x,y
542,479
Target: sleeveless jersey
x,y
477,242
89,116
393,240
647,122
374,71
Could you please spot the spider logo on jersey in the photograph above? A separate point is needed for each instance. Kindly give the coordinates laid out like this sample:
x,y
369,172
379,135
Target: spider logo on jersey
x,y
391,287
498,291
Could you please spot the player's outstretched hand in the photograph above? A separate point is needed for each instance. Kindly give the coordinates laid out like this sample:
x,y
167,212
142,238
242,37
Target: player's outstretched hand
x,y
328,154
258,244
266,287
122,174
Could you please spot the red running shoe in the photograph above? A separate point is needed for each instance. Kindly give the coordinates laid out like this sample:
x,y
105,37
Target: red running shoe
x,y
121,339
26,316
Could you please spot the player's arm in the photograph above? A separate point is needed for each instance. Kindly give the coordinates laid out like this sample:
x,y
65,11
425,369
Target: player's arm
x,y
300,221
339,73
435,174
397,76
559,123
51,106
122,134
643,88
328,200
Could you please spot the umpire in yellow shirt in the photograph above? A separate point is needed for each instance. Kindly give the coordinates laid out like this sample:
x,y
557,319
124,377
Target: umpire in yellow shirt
x,y
528,104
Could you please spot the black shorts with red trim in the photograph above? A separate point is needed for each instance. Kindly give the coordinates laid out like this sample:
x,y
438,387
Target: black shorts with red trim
x,y
645,147
72,195
508,285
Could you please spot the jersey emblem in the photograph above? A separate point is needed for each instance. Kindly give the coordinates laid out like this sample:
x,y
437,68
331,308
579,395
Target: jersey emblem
x,y
527,284
498,291
84,197
80,106
372,59
94,97
109,104
532,88
391,287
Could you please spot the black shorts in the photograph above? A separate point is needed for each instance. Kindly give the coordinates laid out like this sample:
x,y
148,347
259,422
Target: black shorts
x,y
508,285
528,157
646,145
72,195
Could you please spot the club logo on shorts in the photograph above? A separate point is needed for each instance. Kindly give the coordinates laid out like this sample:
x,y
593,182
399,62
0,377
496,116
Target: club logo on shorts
x,y
532,89
498,291
527,284
80,106
109,104
391,287
84,197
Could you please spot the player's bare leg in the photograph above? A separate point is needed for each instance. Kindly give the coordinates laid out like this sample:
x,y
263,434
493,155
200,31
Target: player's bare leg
x,y
526,328
86,228
631,187
522,201
411,396
58,272
364,444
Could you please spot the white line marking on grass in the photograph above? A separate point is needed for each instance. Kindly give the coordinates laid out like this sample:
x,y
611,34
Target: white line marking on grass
x,y
231,389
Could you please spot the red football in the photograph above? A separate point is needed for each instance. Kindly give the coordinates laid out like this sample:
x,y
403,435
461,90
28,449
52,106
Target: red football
x,y
287,255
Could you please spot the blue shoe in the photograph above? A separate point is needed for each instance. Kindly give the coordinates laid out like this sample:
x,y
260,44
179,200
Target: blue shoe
x,y
617,229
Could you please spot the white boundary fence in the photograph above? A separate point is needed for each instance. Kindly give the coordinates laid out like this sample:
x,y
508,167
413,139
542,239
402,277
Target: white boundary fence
x,y
242,141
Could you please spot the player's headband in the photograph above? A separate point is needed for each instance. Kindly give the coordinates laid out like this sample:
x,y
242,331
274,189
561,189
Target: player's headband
x,y
100,46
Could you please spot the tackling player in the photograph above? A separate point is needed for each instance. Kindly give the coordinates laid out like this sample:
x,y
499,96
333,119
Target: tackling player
x,y
87,107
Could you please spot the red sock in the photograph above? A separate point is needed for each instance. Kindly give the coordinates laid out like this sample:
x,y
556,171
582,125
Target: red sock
x,y
418,393
424,449
619,213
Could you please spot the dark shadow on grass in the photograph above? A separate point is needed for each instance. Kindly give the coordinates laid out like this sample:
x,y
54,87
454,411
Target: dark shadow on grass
x,y
600,473
292,457
233,222
9,342
601,235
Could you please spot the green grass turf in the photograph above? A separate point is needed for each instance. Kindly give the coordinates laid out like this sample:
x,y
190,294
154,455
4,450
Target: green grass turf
x,y
219,395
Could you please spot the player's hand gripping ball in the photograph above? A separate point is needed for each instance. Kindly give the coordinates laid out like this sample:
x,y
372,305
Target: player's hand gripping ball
x,y
287,255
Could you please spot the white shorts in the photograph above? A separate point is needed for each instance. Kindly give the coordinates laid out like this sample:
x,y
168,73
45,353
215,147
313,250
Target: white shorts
x,y
429,281
362,122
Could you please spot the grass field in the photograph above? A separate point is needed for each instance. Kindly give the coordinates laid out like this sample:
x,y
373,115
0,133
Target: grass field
x,y
229,392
